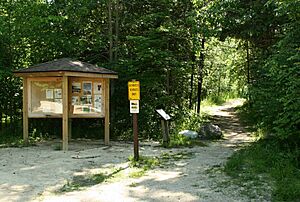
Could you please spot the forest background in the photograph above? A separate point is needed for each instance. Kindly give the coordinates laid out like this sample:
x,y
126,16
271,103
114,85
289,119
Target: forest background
x,y
183,52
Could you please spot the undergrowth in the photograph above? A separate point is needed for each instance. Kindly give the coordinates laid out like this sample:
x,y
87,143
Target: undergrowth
x,y
269,160
13,138
179,140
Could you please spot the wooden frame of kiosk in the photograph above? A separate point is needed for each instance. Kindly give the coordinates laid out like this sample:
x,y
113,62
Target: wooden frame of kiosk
x,y
66,89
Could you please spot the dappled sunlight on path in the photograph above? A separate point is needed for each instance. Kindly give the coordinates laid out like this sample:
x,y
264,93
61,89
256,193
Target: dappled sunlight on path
x,y
38,173
226,118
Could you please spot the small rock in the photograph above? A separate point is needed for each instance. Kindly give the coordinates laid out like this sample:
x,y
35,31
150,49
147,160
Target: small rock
x,y
189,134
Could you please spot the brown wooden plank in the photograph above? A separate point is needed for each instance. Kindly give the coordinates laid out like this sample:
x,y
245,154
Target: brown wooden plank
x,y
62,73
25,110
91,75
65,120
106,135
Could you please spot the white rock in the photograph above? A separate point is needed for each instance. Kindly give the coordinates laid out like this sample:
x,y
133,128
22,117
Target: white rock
x,y
189,134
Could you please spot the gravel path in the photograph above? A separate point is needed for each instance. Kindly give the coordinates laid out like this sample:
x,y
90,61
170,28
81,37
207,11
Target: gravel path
x,y
36,173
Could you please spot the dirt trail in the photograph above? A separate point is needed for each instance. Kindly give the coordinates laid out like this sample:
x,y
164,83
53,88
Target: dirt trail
x,y
226,118
32,174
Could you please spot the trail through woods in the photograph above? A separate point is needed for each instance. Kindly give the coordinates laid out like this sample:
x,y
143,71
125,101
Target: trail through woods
x,y
190,174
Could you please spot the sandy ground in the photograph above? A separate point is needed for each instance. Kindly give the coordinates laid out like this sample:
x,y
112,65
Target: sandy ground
x,y
36,173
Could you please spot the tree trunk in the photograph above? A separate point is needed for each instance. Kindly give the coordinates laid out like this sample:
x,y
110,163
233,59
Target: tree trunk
x,y
0,120
200,75
10,37
219,85
248,63
6,121
192,82
248,73
11,114
117,30
110,31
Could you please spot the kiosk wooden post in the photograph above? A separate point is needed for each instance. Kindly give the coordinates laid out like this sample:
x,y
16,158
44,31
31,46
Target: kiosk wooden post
x,y
25,110
65,121
106,132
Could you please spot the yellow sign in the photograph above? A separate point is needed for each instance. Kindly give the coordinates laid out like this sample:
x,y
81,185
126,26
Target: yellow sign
x,y
133,90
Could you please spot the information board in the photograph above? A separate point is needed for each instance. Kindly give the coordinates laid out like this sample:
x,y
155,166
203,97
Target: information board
x,y
134,106
134,90
163,114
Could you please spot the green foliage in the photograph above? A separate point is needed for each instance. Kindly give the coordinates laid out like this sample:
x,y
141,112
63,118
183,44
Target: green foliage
x,y
271,30
7,138
11,100
178,140
159,43
271,158
225,73
144,164
188,120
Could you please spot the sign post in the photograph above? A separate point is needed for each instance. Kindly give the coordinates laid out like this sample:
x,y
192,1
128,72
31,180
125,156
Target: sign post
x,y
165,126
134,97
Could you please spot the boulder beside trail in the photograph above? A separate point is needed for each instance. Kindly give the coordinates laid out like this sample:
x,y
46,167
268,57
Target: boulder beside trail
x,y
210,131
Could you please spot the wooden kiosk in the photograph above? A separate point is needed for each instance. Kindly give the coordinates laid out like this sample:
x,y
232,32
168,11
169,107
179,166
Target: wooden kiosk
x,y
66,89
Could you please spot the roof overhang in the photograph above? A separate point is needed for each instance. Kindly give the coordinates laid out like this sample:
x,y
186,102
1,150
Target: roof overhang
x,y
65,73
66,67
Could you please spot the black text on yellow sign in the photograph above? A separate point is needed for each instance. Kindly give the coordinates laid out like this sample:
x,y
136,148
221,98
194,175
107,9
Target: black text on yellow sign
x,y
134,90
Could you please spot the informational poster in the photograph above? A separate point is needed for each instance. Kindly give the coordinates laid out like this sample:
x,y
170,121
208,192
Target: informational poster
x,y
97,103
97,88
163,114
134,106
86,109
87,97
58,93
49,93
76,87
86,100
58,101
87,88
75,100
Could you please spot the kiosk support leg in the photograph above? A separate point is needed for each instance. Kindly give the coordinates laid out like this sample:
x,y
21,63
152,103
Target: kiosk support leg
x,y
106,129
65,114
25,110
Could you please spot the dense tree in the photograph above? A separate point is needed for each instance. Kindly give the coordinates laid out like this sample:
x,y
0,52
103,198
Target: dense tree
x,y
271,31
171,46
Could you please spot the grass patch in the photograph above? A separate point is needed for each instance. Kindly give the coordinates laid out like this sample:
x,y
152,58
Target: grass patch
x,y
182,141
177,156
147,163
265,161
80,182
137,169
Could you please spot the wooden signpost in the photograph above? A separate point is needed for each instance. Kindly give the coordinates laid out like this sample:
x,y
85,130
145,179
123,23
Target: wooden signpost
x,y
164,125
134,97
